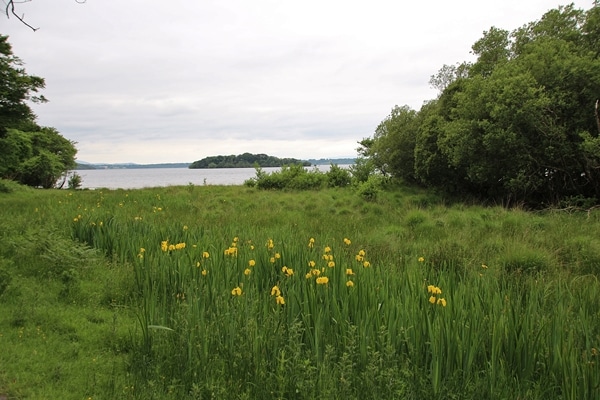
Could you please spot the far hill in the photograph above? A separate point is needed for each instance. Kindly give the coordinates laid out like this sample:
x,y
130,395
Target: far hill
x,y
81,165
327,161
245,160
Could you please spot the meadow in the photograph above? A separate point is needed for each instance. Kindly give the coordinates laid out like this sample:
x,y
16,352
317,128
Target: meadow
x,y
214,292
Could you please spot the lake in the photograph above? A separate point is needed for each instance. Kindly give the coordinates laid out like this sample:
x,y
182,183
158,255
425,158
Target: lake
x,y
137,178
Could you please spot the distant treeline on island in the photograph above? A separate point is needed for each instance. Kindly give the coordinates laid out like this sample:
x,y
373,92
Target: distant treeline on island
x,y
245,160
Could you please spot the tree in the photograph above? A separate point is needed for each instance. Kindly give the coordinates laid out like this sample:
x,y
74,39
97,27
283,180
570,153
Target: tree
x,y
520,124
16,87
30,154
394,143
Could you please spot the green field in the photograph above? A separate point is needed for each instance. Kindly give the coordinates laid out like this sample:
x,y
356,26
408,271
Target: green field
x,y
230,292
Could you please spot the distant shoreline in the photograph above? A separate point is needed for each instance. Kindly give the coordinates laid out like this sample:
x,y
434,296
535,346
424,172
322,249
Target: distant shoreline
x,y
88,166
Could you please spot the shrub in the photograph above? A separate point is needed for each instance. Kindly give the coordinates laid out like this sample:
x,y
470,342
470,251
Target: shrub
x,y
370,189
290,177
338,177
75,181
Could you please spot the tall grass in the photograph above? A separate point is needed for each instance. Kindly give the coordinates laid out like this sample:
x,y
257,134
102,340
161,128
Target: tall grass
x,y
242,293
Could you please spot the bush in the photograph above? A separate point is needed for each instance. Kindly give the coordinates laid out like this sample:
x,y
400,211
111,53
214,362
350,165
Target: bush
x,y
75,181
289,177
371,187
338,177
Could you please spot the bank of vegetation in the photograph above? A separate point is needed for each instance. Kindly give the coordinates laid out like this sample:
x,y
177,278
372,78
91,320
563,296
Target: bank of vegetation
x,y
235,292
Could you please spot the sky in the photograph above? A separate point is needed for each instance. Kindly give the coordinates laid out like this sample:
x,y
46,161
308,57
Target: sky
x,y
176,81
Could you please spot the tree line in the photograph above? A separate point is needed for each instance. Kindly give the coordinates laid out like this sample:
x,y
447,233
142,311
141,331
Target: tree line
x,y
29,154
518,125
245,160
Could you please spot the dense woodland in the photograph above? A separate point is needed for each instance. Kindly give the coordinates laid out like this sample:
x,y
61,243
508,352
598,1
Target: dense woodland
x,y
518,125
245,160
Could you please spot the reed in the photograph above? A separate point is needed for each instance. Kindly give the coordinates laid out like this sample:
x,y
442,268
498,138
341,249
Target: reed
x,y
236,292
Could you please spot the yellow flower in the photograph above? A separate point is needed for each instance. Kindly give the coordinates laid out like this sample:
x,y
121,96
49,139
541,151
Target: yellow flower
x,y
327,249
349,271
247,271
272,259
277,256
275,291
421,259
311,243
287,271
235,239
205,254
434,290
432,299
270,244
359,258
350,284
142,250
484,266
442,302
315,272
237,291
251,263
311,264
180,246
185,227
331,264
232,251
322,280
280,300
204,272
366,264
362,253
347,241
164,245
308,275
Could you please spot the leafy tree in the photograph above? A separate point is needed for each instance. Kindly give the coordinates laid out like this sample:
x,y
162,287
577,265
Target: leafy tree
x,y
517,125
394,143
16,88
30,154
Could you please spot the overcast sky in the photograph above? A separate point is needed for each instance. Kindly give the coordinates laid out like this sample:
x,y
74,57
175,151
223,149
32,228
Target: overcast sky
x,y
176,81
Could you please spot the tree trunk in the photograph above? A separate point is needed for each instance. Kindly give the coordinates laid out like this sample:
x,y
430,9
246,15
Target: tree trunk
x,y
597,116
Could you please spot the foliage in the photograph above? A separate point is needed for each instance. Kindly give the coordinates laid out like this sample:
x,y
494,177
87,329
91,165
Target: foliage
x,y
296,176
515,126
74,181
183,304
364,165
16,87
29,154
245,160
337,176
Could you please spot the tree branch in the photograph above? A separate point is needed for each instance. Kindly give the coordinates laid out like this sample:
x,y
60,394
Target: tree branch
x,y
10,9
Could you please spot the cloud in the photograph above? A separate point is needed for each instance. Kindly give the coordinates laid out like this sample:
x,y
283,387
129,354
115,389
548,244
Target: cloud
x,y
134,81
